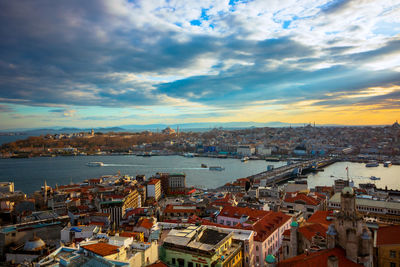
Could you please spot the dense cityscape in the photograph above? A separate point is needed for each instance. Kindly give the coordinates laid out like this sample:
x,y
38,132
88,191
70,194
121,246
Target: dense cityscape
x,y
272,218
212,133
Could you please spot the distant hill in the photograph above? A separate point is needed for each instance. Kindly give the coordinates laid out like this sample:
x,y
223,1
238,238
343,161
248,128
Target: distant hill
x,y
196,127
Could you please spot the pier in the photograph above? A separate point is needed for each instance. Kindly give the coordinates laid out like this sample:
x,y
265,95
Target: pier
x,y
290,171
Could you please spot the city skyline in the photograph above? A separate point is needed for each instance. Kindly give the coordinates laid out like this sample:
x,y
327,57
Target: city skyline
x,y
103,63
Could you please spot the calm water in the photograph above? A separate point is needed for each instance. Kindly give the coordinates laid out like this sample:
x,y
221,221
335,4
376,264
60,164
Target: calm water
x,y
29,174
390,177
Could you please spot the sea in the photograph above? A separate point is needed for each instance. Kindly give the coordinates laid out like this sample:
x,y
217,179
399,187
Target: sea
x,y
29,174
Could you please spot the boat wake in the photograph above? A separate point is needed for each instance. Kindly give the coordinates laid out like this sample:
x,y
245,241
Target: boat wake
x,y
153,167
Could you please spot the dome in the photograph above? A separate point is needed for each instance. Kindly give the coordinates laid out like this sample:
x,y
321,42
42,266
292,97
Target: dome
x,y
348,191
294,224
270,258
34,244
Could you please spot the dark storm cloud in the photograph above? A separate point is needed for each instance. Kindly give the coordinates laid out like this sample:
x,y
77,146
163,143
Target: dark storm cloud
x,y
70,52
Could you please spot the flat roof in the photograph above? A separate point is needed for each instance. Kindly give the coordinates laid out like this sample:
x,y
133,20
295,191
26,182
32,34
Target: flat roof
x,y
368,202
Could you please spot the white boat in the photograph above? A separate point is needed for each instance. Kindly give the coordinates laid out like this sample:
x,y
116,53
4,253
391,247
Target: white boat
x,y
189,155
372,164
374,178
216,168
95,164
244,159
387,164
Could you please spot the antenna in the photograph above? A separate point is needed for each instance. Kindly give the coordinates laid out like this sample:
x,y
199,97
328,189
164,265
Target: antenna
x,y
347,171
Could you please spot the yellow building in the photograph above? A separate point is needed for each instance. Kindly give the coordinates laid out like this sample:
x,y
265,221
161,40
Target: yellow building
x,y
388,246
201,246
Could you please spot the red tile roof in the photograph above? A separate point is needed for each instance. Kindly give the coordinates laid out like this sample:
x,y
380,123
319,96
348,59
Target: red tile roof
x,y
154,181
180,208
237,212
102,249
309,199
269,224
310,230
145,223
320,217
389,235
319,258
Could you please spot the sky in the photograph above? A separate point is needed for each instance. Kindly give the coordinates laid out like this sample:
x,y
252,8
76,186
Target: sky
x,y
108,63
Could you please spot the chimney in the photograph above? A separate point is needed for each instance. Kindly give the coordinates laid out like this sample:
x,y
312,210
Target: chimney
x,y
333,261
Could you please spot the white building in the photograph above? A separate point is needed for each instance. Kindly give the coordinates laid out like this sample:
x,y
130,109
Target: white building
x,y
69,234
246,150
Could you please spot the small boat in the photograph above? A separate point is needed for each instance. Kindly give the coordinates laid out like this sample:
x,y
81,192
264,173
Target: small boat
x,y
95,164
216,168
203,165
332,176
244,159
188,155
372,164
374,178
387,164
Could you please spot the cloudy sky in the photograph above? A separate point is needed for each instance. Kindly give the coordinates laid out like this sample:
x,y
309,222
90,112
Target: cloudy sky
x,y
105,63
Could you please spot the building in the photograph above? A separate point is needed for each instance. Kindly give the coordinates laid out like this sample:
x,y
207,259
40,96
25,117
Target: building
x,y
268,226
388,246
178,212
348,234
6,187
78,233
340,184
176,183
154,189
245,150
384,211
197,246
172,183
307,203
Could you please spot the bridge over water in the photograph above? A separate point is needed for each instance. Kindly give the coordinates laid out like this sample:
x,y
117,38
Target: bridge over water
x,y
290,171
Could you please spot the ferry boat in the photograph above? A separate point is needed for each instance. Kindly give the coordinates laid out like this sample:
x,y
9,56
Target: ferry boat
x,y
374,178
372,164
244,159
95,164
387,164
216,168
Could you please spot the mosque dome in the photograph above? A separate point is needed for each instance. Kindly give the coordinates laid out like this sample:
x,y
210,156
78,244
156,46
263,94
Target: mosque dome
x,y
34,244
348,191
270,258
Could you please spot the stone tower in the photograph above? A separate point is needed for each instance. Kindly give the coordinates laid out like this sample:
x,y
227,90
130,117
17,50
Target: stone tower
x,y
349,231
293,249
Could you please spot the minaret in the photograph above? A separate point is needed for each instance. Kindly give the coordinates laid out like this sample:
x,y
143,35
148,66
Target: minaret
x,y
45,192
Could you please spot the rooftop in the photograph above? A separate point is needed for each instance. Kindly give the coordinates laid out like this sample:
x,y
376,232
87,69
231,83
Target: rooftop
x,y
389,235
102,249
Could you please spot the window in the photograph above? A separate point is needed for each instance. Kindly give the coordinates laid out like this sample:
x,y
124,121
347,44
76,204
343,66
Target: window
x,y
258,259
181,263
392,264
256,248
173,260
190,264
198,265
393,254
